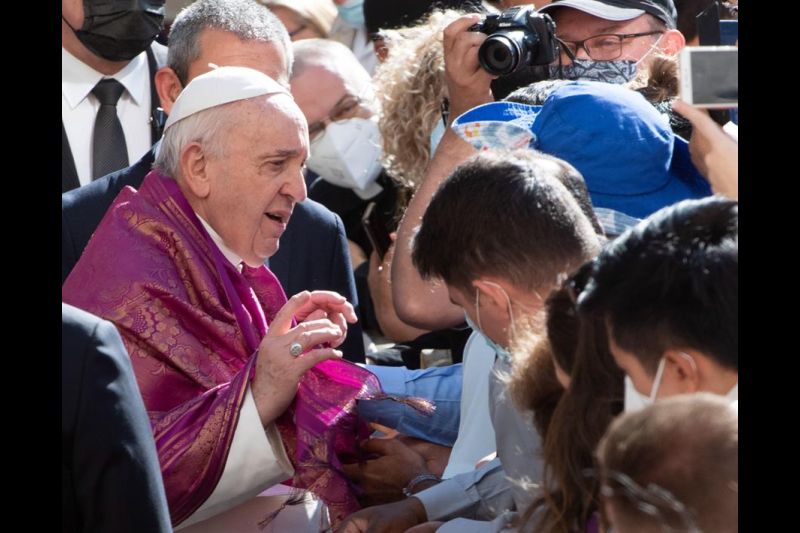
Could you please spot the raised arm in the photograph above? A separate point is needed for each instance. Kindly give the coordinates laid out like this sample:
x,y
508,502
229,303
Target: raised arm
x,y
421,303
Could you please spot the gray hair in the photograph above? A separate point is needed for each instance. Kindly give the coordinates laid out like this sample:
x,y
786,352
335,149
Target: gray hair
x,y
244,18
336,57
207,127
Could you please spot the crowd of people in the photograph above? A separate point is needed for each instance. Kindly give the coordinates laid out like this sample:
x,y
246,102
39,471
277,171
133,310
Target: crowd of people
x,y
547,343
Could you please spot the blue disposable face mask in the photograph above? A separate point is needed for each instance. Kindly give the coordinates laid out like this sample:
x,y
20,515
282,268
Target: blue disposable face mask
x,y
501,351
436,136
352,12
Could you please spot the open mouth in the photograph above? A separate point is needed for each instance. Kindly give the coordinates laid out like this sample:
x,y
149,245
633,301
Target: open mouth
x,y
281,217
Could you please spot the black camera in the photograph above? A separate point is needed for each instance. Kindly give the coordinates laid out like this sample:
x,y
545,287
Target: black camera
x,y
518,37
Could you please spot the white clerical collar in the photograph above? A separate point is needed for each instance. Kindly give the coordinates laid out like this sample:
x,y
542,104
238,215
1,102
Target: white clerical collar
x,y
229,254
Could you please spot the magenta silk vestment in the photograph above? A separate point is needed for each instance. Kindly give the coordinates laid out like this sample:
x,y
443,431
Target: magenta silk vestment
x,y
192,325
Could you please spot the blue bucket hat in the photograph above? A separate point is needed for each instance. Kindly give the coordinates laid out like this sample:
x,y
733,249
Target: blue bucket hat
x,y
631,161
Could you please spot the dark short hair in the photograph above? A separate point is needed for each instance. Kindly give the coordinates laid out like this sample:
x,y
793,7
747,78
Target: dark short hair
x,y
672,281
504,214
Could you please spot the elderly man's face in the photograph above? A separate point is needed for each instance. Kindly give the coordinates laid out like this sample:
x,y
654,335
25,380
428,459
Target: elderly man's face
x,y
323,95
575,26
255,182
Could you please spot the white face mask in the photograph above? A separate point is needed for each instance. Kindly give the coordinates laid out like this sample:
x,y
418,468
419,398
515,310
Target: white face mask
x,y
733,395
347,154
636,401
436,135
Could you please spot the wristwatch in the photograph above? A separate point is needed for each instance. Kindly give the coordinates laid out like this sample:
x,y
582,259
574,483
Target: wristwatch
x,y
409,490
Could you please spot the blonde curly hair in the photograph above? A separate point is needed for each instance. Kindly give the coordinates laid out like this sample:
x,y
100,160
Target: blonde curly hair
x,y
410,87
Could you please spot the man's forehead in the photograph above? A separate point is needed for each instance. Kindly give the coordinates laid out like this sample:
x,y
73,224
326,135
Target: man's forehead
x,y
324,75
276,124
572,21
225,48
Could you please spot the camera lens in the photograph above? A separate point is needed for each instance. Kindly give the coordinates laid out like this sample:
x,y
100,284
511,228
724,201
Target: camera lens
x,y
499,54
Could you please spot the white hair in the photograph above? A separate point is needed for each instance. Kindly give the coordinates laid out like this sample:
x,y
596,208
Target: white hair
x,y
335,57
207,127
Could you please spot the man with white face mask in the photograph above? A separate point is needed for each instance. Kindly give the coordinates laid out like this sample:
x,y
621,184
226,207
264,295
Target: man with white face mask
x,y
335,94
668,289
608,40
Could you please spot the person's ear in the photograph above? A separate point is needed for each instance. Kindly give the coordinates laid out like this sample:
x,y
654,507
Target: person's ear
x,y
194,170
491,294
168,87
684,375
72,12
671,42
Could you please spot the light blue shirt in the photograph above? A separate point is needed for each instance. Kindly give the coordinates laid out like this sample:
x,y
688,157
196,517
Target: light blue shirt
x,y
441,385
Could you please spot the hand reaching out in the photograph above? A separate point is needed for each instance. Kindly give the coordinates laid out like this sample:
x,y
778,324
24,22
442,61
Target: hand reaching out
x,y
714,152
323,319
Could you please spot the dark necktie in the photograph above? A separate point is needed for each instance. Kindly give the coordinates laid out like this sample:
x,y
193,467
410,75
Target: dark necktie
x,y
109,150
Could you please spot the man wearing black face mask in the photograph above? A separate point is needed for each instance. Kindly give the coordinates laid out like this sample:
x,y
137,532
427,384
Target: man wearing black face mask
x,y
108,60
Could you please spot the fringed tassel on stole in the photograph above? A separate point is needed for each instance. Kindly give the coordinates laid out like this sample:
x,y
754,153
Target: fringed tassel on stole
x,y
422,405
425,407
296,497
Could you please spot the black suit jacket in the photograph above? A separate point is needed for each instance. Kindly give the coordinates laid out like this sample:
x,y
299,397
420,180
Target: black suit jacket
x,y
110,476
156,58
313,252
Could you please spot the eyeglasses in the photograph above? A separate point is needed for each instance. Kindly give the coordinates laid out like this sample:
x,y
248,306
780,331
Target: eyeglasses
x,y
604,47
342,110
298,30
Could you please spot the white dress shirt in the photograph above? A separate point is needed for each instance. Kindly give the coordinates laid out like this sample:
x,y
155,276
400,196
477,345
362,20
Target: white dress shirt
x,y
476,437
79,109
257,459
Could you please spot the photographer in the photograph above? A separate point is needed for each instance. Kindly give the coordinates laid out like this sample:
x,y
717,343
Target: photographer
x,y
469,85
602,41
